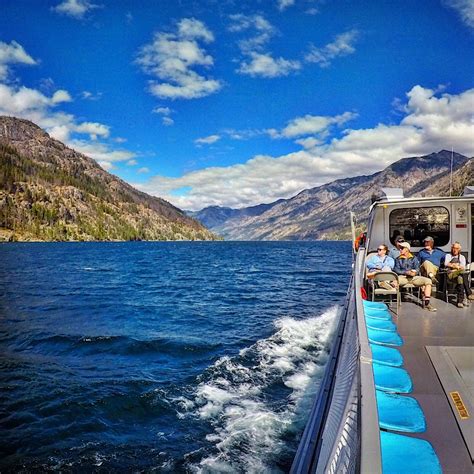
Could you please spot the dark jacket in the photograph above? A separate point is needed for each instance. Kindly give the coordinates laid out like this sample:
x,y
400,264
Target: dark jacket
x,y
403,265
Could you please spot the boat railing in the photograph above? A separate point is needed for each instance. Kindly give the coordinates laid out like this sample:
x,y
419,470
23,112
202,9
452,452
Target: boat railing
x,y
370,449
342,433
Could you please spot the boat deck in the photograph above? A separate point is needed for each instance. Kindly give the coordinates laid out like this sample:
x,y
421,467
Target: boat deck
x,y
428,338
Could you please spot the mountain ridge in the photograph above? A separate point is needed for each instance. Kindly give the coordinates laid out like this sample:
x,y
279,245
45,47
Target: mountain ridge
x,y
322,212
49,191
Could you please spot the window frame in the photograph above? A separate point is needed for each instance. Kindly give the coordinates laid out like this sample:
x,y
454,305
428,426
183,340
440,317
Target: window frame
x,y
435,236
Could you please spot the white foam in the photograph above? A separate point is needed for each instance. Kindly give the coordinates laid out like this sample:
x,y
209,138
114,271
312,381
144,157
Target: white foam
x,y
248,430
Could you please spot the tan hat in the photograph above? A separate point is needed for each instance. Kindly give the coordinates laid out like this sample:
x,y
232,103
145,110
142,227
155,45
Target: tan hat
x,y
405,245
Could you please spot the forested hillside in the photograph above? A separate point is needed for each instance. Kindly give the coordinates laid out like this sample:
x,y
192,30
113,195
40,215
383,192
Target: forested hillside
x,y
50,192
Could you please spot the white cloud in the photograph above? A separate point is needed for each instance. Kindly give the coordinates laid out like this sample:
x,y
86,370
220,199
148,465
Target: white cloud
x,y
87,95
342,45
93,129
162,111
207,140
241,22
167,121
132,162
171,57
256,61
60,96
244,134
24,100
100,151
190,28
265,65
309,142
165,113
143,170
74,8
283,4
263,31
465,8
432,121
13,53
313,125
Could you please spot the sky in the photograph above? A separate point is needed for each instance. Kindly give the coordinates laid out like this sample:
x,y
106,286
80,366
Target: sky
x,y
237,103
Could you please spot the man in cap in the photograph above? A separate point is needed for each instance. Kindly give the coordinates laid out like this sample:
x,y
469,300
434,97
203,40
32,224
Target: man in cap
x,y
430,259
407,267
395,252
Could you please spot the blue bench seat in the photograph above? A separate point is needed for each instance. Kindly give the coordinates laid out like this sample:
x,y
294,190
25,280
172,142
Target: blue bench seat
x,y
379,313
392,379
374,304
405,455
400,413
384,337
386,355
381,324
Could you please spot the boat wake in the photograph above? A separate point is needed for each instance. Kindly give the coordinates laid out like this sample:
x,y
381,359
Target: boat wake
x,y
257,402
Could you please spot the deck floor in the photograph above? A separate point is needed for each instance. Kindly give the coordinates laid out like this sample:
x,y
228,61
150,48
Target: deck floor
x,y
449,326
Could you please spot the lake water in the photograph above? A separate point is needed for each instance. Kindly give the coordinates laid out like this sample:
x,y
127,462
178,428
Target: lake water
x,y
161,356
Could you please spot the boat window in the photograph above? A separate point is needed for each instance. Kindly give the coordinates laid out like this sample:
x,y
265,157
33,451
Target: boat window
x,y
416,223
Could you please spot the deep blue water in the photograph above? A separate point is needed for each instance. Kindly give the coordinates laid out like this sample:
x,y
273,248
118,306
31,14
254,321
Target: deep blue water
x,y
147,356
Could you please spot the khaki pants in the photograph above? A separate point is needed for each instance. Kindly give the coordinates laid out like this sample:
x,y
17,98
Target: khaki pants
x,y
462,284
416,280
427,267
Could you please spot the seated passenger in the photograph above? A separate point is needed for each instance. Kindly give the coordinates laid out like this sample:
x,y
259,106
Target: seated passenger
x,y
380,262
456,265
395,252
430,259
407,267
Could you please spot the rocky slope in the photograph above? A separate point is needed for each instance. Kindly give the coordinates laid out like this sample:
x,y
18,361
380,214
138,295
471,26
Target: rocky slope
x,y
51,192
462,177
323,212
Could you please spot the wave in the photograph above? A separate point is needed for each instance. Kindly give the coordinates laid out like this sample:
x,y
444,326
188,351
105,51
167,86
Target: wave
x,y
253,425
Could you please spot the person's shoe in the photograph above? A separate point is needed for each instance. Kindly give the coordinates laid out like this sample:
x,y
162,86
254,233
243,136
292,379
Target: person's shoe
x,y
459,304
471,297
430,307
465,302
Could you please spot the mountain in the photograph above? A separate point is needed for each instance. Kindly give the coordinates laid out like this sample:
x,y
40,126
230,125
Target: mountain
x,y
323,212
51,192
462,177
213,216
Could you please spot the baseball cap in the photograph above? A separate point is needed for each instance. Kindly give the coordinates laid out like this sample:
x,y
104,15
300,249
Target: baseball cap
x,y
405,244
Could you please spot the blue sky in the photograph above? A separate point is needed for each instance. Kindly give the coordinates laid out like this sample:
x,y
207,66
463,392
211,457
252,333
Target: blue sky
x,y
237,103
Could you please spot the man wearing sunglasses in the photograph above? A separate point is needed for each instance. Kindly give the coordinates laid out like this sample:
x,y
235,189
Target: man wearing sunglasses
x,y
407,267
395,252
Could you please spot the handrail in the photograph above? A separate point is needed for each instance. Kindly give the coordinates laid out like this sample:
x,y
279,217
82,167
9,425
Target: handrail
x,y
366,454
308,449
370,449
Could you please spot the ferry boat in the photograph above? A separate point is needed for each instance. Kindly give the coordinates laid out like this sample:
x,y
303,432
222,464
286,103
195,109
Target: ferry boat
x,y
398,391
